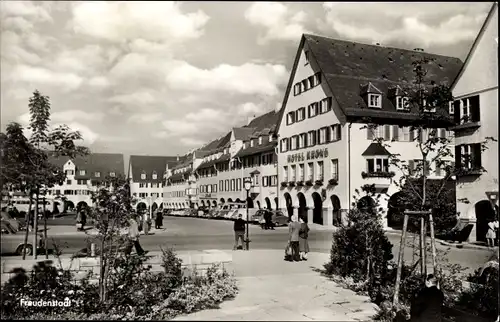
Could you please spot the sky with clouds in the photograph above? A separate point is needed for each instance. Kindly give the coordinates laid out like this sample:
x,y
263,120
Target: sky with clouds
x,y
162,78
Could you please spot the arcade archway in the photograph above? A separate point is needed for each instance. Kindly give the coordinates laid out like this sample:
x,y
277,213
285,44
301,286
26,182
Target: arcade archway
x,y
222,201
395,210
318,209
82,205
484,214
154,207
289,204
336,213
268,203
367,204
249,202
229,200
276,203
68,205
214,203
141,206
258,204
302,206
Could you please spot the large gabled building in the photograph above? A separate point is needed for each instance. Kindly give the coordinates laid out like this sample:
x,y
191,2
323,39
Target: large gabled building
x,y
84,175
146,175
476,113
326,153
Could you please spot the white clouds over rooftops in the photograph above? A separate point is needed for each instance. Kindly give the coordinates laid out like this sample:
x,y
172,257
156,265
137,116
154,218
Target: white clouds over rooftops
x,y
276,18
151,20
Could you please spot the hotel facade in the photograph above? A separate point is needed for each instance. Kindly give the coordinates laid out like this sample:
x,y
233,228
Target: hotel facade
x,y
476,112
326,150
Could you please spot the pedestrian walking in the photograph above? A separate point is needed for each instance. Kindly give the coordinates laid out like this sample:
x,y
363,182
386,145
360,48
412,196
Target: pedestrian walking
x,y
269,220
133,237
428,302
303,243
159,219
84,219
491,234
293,237
79,221
239,231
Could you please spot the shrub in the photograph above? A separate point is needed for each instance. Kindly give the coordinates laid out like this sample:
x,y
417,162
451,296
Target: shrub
x,y
482,297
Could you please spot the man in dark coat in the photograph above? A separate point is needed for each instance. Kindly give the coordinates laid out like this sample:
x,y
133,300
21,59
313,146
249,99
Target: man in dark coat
x,y
268,217
428,302
239,231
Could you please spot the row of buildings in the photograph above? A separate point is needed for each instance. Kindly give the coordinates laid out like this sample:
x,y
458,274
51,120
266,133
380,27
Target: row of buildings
x,y
316,152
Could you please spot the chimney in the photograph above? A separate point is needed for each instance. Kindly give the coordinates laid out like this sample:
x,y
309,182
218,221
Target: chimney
x,y
177,157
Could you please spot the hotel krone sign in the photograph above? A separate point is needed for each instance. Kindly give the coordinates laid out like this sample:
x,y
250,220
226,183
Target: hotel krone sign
x,y
309,155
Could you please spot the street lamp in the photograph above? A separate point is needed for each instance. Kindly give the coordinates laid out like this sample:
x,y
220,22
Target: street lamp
x,y
248,185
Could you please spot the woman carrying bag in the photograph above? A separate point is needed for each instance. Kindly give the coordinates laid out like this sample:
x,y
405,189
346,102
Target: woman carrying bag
x,y
303,243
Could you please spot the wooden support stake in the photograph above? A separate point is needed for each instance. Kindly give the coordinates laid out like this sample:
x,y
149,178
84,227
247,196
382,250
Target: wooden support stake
x,y
424,259
422,246
400,261
433,246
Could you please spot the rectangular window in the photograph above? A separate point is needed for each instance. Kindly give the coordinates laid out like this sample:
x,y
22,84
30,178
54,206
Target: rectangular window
x,y
293,174
301,140
406,133
301,114
310,171
290,118
466,153
387,132
233,184
97,174
395,133
274,180
238,184
82,172
311,138
322,135
301,172
296,89
141,185
284,145
451,108
294,142
285,173
306,57
325,105
335,169
221,185
68,181
375,100
402,103
313,109
226,188
377,165
321,169
317,79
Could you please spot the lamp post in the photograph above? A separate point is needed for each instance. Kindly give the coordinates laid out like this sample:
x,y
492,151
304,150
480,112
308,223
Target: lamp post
x,y
248,185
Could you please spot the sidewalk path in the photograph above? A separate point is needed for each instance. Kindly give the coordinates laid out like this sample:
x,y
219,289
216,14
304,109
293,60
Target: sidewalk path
x,y
53,231
273,289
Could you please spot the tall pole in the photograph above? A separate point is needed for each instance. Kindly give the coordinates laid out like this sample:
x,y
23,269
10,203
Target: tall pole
x,y
247,240
45,228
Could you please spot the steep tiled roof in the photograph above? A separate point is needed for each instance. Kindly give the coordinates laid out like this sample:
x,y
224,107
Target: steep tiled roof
x,y
150,164
345,66
265,147
241,133
264,121
375,149
104,163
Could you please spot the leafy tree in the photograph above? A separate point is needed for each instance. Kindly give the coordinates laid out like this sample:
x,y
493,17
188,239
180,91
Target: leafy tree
x,y
111,213
27,163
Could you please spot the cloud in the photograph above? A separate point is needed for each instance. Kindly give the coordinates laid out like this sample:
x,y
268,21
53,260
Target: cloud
x,y
99,82
68,118
122,21
424,24
140,97
280,24
144,118
244,79
192,142
76,115
27,9
39,75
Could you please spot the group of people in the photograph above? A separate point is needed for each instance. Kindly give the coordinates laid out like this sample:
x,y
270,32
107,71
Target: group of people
x,y
266,221
298,234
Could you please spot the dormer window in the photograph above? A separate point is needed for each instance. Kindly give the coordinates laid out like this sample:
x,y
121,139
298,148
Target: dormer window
x,y
143,176
112,174
260,139
270,137
82,172
97,174
429,107
155,176
451,108
402,103
375,100
251,143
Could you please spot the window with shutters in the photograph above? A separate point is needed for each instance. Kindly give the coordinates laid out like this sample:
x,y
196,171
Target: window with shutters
x,y
335,133
274,181
296,89
302,140
387,132
290,118
469,110
293,173
301,114
306,85
310,79
375,100
221,185
312,110
311,138
374,132
301,172
402,103
377,164
415,167
317,79
284,145
322,135
310,171
238,184
325,105
285,173
468,158
335,169
294,142
321,171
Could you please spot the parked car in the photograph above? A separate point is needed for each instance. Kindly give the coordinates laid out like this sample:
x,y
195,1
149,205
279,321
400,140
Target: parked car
x,y
279,219
212,213
15,223
257,217
243,211
12,241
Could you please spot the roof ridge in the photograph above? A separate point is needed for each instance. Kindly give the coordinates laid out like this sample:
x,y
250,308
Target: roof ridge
x,y
378,46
